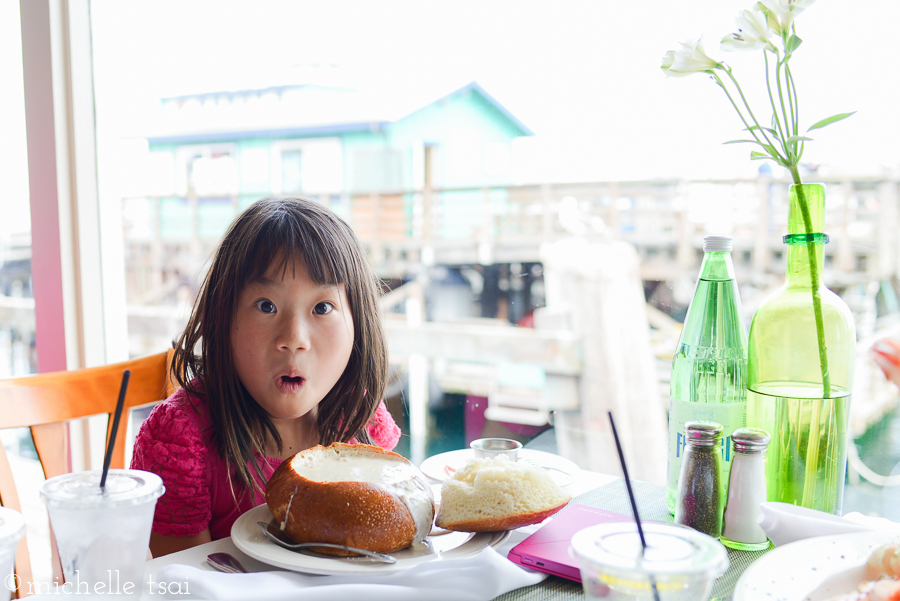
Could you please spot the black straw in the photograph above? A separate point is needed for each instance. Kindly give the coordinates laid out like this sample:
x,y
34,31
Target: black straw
x,y
634,509
115,427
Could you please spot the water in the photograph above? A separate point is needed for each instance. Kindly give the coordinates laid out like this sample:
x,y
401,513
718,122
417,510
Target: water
x,y
787,412
104,552
709,373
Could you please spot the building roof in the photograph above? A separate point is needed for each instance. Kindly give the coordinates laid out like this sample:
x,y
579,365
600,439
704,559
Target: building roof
x,y
297,110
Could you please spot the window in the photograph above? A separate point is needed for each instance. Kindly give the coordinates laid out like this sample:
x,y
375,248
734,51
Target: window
x,y
291,180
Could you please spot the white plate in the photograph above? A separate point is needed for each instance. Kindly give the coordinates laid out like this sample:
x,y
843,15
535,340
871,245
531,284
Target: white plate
x,y
248,538
813,569
442,466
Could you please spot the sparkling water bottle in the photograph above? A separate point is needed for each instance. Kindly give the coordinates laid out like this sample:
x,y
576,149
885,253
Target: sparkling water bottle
x,y
709,371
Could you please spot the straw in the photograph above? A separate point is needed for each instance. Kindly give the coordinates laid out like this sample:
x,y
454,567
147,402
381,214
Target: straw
x,y
115,427
634,509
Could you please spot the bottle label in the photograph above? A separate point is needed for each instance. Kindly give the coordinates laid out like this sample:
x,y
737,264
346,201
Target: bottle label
x,y
731,415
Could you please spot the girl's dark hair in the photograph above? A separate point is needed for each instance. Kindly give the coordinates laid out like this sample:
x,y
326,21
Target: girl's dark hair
x,y
276,232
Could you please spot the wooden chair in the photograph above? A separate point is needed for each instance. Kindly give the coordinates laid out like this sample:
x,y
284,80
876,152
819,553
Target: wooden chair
x,y
45,403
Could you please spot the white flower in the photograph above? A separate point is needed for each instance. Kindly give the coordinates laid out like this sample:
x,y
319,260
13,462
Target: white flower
x,y
753,32
785,11
690,59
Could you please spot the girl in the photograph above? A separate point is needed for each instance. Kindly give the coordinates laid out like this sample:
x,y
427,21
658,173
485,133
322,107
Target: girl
x,y
284,350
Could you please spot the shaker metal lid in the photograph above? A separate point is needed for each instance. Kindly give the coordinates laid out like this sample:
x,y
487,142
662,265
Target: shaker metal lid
x,y
703,433
750,440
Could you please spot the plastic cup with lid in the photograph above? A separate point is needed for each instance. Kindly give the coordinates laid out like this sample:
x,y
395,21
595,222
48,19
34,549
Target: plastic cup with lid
x,y
680,563
12,529
103,534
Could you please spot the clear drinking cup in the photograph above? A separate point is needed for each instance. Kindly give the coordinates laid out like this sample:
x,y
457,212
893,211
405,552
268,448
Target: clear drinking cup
x,y
680,563
12,529
103,536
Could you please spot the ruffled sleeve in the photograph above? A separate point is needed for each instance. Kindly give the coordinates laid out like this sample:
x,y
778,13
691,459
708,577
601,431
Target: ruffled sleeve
x,y
382,428
171,444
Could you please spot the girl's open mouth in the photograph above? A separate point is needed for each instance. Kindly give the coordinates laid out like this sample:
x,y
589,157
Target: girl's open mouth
x,y
290,384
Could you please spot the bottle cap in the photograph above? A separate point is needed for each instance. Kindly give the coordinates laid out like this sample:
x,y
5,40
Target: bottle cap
x,y
717,244
750,441
703,434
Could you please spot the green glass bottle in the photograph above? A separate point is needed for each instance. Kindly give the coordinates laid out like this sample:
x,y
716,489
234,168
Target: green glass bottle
x,y
710,365
802,348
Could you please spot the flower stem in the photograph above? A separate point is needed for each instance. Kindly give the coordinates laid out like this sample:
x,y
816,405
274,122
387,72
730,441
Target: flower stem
x,y
812,445
787,147
773,152
772,102
792,97
772,149
736,108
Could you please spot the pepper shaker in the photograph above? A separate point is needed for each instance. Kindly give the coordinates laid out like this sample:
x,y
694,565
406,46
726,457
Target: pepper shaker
x,y
700,499
746,490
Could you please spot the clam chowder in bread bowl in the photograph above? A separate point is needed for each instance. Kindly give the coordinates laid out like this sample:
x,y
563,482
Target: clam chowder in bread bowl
x,y
356,495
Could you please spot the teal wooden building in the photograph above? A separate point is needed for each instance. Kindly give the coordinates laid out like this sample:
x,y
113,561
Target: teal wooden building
x,y
358,151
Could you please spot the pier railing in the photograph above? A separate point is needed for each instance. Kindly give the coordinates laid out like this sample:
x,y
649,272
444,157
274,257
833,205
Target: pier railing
x,y
664,219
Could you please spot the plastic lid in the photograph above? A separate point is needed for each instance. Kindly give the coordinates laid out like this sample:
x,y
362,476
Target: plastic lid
x,y
82,489
717,244
615,547
704,434
12,528
750,441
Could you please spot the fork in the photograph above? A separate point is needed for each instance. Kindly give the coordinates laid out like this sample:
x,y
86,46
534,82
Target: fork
x,y
279,538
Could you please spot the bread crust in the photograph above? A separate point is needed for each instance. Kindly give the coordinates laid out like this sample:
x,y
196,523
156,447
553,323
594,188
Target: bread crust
x,y
498,524
360,514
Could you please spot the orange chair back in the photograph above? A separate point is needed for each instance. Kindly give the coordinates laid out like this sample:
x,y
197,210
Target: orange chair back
x,y
46,402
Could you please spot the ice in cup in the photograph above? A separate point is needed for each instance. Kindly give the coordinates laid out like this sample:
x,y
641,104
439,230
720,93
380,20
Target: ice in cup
x,y
679,562
12,529
103,535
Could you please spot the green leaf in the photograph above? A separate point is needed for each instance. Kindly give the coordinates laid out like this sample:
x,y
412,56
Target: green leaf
x,y
770,149
766,146
798,139
758,156
792,44
759,127
830,120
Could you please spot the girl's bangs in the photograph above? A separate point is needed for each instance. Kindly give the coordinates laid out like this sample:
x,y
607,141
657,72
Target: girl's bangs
x,y
297,240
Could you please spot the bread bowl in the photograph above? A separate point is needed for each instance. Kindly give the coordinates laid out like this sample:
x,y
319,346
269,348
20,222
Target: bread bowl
x,y
489,495
356,495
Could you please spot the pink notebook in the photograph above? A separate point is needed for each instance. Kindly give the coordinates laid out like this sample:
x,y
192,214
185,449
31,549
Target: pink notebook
x,y
547,549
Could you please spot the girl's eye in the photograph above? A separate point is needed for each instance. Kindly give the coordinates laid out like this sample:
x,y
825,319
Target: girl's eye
x,y
323,308
266,306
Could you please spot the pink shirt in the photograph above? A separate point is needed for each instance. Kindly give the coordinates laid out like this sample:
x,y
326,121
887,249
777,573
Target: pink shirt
x,y
175,443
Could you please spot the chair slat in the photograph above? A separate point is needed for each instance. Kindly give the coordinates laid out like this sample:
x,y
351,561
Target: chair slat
x,y
52,444
9,498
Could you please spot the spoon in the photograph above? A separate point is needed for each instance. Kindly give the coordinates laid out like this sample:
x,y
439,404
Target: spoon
x,y
225,562
279,538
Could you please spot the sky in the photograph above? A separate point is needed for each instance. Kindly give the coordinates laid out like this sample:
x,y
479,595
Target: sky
x,y
583,75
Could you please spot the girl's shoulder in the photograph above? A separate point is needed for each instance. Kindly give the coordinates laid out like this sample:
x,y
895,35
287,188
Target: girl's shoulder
x,y
382,428
182,418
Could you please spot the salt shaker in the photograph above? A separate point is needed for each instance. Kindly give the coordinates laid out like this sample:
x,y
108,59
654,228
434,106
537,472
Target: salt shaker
x,y
746,490
700,499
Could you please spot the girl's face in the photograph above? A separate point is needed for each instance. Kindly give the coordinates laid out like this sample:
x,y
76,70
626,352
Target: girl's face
x,y
291,340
